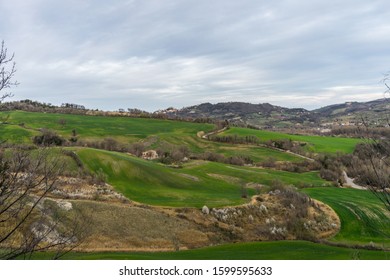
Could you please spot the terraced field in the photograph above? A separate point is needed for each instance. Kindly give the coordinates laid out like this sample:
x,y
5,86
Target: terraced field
x,y
196,184
364,219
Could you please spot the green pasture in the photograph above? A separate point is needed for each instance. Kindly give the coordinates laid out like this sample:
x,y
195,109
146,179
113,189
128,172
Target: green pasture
x,y
15,134
363,217
317,144
276,250
99,127
127,130
364,220
195,184
256,153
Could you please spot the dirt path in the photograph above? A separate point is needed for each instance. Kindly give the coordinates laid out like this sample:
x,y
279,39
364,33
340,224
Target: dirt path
x,y
349,182
289,152
205,136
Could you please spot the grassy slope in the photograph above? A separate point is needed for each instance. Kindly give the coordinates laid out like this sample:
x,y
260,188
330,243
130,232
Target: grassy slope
x,y
156,184
128,130
277,250
318,144
148,182
363,217
98,127
14,134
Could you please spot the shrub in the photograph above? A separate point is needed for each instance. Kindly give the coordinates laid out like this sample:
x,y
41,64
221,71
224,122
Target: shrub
x,y
74,156
137,149
73,138
48,138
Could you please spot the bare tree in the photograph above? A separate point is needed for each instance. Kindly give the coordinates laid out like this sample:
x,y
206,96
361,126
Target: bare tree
x,y
7,71
29,221
378,155
372,168
371,162
385,81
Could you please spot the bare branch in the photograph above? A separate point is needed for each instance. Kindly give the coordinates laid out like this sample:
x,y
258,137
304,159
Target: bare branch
x,y
7,72
26,179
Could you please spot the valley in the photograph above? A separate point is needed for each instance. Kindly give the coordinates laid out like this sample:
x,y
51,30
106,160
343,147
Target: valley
x,y
238,193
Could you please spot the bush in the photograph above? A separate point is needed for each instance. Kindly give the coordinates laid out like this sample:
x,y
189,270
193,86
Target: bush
x,y
48,138
74,156
236,161
108,144
137,149
73,138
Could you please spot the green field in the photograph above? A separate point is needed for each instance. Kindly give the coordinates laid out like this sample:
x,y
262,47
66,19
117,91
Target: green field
x,y
127,130
317,144
276,250
15,134
363,217
196,184
364,220
98,127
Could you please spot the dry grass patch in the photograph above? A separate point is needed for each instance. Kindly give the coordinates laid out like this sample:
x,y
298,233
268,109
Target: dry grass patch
x,y
125,227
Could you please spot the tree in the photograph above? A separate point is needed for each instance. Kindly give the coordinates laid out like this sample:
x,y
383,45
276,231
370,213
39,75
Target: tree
x,y
7,71
378,155
29,221
371,167
371,161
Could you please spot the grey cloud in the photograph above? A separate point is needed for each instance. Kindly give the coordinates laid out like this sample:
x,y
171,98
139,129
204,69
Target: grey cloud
x,y
156,54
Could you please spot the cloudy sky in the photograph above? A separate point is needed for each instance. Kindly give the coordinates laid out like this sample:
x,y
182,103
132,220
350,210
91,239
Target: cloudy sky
x,y
151,54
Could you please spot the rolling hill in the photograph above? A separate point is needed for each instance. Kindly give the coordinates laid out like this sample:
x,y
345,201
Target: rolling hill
x,y
270,116
171,195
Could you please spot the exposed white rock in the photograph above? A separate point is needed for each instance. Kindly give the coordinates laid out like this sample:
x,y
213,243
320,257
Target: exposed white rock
x,y
65,205
263,208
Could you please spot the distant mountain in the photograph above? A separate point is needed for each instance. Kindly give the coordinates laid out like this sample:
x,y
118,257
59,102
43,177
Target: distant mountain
x,y
266,115
260,115
377,106
374,113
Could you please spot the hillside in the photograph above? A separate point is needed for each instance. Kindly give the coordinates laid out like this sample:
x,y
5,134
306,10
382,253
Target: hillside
x,y
378,106
119,133
263,115
195,184
375,113
270,116
197,191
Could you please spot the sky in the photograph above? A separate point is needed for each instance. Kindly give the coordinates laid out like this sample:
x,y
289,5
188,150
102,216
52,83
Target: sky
x,y
153,54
